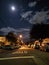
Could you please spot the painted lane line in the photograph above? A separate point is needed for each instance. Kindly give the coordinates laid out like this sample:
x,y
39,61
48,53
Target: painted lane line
x,y
37,60
17,57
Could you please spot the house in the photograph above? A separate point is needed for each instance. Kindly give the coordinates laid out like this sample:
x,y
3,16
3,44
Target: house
x,y
2,38
46,40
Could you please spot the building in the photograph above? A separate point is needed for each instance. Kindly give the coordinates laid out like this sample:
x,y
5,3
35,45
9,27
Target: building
x,y
46,40
2,38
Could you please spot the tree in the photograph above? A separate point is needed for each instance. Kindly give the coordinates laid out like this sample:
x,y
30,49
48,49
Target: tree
x,y
11,37
39,31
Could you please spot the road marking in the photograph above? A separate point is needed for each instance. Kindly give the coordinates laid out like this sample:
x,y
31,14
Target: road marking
x,y
17,57
37,60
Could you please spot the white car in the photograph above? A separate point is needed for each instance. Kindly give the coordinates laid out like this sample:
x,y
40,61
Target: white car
x,y
31,46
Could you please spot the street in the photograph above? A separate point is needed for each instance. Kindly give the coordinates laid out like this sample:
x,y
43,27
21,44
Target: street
x,y
24,55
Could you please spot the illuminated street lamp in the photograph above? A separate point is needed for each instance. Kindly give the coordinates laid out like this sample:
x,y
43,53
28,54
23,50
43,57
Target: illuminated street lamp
x,y
20,39
20,36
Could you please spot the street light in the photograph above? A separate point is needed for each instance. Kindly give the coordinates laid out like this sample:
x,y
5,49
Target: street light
x,y
20,36
21,39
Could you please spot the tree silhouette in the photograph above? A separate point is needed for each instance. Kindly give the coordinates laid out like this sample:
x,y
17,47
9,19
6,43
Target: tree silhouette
x,y
39,31
11,37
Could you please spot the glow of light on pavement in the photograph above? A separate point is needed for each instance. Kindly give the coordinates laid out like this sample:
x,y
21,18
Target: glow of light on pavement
x,y
25,47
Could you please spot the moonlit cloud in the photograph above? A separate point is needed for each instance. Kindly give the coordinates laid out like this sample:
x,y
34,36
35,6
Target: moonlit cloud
x,y
31,4
8,29
26,14
24,31
39,17
36,15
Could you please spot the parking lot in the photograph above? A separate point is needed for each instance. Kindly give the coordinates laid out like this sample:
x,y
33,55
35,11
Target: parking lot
x,y
40,57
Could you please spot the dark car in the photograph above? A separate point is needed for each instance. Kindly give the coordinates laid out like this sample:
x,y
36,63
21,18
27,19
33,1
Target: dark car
x,y
44,47
37,46
7,47
10,47
47,47
1,45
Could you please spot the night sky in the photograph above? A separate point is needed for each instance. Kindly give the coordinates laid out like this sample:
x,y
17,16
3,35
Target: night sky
x,y
26,13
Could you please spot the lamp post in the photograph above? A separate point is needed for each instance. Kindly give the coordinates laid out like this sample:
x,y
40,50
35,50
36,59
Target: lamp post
x,y
20,39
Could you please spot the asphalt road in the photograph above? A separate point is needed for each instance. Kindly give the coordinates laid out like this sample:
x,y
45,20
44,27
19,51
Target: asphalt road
x,y
40,57
18,62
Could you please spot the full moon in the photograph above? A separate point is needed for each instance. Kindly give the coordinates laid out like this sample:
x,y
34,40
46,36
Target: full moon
x,y
13,8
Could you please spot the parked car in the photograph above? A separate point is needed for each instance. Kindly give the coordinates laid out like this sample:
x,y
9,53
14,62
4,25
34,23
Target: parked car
x,y
7,47
37,44
17,46
47,47
31,46
1,45
44,47
10,47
